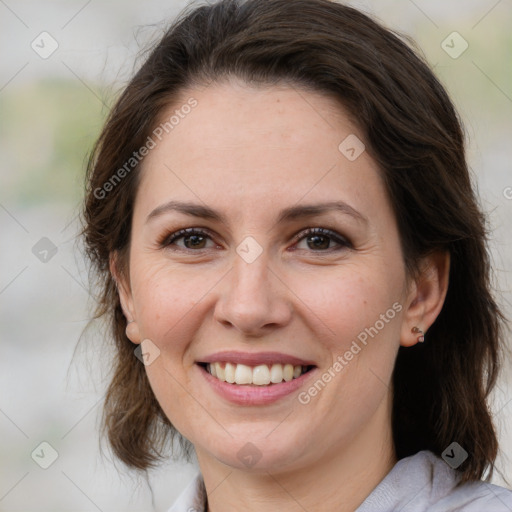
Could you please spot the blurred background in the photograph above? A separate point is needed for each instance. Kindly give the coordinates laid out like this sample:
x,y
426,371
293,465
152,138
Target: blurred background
x,y
62,64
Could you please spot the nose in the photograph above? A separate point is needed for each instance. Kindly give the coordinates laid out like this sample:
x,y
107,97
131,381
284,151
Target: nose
x,y
253,298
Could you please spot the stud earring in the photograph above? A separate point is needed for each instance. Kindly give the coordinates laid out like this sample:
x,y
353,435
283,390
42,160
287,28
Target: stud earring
x,y
421,337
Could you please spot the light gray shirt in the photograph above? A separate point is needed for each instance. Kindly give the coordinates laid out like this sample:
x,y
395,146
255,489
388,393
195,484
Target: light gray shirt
x,y
420,483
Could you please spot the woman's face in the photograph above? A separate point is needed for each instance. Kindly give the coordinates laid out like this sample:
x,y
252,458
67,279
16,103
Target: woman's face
x,y
297,262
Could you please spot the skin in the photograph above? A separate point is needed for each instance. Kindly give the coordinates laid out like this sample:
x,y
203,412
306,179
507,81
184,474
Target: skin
x,y
248,153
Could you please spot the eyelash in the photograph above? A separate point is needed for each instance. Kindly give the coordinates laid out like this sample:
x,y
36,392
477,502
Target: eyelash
x,y
167,240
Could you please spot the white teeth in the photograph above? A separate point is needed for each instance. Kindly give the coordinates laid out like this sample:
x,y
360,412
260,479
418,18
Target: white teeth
x,y
261,375
276,373
230,372
288,372
243,374
220,371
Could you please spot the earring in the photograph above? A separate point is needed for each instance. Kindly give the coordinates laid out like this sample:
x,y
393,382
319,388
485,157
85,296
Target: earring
x,y
132,332
421,337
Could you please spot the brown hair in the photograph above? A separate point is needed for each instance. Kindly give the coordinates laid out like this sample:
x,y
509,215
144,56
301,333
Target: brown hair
x,y
413,133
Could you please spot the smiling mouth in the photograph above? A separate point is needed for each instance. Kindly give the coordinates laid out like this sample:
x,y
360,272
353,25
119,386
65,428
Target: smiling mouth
x,y
259,375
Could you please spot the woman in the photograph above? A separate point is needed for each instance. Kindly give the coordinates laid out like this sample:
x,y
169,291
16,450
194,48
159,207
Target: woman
x,y
294,266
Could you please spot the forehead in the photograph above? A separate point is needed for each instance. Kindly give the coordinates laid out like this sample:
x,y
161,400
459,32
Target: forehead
x,y
234,115
257,145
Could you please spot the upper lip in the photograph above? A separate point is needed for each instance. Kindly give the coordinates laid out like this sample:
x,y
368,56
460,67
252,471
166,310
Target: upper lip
x,y
255,358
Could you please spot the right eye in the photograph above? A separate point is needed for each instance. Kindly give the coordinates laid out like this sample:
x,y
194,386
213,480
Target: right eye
x,y
193,239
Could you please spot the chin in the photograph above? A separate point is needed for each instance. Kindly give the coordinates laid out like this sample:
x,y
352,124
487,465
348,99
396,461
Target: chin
x,y
255,450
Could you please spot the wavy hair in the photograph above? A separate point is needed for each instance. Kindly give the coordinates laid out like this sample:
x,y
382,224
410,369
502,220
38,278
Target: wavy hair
x,y
412,131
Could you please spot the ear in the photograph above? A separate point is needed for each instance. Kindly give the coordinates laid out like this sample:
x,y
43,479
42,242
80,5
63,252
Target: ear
x,y
126,299
427,293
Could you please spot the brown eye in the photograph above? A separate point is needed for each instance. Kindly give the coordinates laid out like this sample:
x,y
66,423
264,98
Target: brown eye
x,y
318,242
192,239
321,240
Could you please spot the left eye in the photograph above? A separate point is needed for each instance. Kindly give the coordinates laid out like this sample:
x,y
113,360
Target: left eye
x,y
316,239
320,239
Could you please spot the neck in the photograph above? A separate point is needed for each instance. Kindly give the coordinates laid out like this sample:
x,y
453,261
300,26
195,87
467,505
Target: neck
x,y
340,480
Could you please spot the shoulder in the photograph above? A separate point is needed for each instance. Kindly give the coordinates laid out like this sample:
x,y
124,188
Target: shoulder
x,y
479,496
193,497
424,482
420,483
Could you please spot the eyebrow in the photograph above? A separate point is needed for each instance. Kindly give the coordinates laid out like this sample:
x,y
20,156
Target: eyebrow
x,y
286,215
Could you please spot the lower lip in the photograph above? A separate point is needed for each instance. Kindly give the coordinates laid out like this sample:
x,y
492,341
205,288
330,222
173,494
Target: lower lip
x,y
247,394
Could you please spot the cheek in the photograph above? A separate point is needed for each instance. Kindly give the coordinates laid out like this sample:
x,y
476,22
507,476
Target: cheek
x,y
346,302
168,303
356,314
166,300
